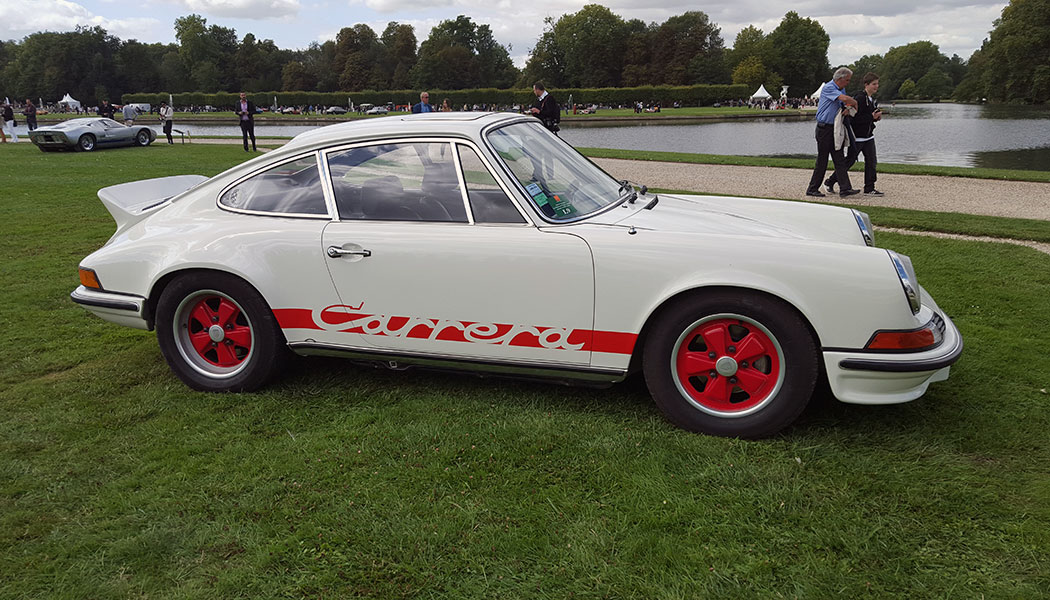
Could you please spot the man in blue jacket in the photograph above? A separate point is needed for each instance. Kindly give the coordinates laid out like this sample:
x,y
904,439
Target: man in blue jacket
x,y
424,104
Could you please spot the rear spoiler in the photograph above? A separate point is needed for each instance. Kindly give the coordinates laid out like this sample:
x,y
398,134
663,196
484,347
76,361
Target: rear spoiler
x,y
129,202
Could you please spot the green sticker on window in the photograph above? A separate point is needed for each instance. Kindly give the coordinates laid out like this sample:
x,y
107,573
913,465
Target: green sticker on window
x,y
562,208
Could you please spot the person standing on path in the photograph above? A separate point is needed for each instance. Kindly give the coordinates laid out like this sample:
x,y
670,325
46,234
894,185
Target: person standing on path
x,y
868,113
130,114
106,110
167,113
8,124
832,100
245,109
30,112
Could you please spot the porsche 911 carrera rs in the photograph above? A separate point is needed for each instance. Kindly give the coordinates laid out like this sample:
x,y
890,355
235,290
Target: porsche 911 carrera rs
x,y
482,242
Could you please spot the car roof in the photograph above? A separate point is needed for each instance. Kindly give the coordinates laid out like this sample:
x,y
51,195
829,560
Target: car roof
x,y
461,124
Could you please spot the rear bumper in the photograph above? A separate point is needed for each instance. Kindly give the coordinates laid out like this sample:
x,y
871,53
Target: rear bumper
x,y
123,309
871,378
50,140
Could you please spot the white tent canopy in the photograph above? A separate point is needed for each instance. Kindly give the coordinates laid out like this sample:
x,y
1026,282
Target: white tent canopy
x,y
761,94
69,101
816,94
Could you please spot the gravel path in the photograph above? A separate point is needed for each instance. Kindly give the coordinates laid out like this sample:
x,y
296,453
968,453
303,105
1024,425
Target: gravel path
x,y
1019,199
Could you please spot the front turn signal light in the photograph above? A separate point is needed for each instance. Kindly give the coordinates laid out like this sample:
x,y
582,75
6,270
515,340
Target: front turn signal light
x,y
89,279
928,336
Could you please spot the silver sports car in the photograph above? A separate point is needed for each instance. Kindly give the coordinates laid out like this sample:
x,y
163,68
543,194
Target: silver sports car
x,y
87,134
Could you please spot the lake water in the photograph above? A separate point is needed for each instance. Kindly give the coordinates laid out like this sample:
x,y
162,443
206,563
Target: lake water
x,y
1006,137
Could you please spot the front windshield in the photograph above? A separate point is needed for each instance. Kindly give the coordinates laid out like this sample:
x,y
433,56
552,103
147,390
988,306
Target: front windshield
x,y
562,184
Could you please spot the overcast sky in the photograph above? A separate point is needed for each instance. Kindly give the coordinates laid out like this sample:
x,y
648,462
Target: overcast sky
x,y
856,27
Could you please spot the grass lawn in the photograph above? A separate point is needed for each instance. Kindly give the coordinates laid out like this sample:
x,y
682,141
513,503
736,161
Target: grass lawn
x,y
339,481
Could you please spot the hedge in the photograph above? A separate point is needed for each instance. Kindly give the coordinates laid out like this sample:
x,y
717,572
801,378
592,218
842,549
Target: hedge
x,y
690,95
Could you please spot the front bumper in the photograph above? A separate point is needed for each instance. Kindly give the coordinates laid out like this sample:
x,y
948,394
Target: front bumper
x,y
882,378
123,309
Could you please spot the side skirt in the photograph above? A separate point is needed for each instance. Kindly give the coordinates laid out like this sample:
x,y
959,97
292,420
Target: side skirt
x,y
482,368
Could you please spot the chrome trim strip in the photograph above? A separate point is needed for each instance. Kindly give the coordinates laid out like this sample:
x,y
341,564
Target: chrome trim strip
x,y
393,360
900,366
103,303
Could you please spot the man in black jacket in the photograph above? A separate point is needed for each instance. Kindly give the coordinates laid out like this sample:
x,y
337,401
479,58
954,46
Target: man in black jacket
x,y
546,108
863,125
106,110
245,110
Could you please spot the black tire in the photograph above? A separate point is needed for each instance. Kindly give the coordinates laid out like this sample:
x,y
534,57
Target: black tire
x,y
86,143
142,138
246,350
731,363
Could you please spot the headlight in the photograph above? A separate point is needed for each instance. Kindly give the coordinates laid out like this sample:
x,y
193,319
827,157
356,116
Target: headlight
x,y
866,230
909,282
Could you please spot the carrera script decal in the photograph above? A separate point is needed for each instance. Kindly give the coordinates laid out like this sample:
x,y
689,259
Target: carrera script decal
x,y
347,319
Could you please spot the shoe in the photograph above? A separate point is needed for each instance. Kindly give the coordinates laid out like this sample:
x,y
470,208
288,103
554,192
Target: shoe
x,y
816,194
876,193
830,184
845,193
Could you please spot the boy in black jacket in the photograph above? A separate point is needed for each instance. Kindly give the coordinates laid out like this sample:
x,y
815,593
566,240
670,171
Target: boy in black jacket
x,y
863,125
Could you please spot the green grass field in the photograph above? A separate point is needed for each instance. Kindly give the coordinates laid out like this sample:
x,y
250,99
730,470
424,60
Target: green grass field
x,y
338,481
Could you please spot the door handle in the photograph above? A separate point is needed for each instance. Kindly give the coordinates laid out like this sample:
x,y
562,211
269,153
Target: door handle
x,y
336,252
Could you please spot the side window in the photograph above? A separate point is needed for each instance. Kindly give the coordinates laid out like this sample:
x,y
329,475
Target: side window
x,y
290,188
398,182
487,200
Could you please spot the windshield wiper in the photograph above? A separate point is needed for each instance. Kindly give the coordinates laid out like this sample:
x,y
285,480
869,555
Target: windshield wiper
x,y
633,196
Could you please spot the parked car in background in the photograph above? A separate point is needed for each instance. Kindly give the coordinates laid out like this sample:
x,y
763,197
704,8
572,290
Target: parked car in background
x,y
377,110
483,242
335,110
90,133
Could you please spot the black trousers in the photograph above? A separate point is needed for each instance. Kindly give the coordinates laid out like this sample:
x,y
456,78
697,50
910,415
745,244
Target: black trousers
x,y
248,129
825,142
167,131
867,148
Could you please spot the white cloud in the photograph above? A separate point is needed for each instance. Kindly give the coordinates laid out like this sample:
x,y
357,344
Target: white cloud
x,y
244,9
19,19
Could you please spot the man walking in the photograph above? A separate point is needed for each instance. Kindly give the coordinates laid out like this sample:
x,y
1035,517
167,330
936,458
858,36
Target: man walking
x,y
167,113
245,109
863,124
832,100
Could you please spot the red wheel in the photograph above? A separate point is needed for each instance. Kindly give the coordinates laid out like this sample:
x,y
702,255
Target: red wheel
x,y
730,362
218,334
728,365
214,334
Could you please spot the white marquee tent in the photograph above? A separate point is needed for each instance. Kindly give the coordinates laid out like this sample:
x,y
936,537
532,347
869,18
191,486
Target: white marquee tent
x,y
69,101
816,94
761,94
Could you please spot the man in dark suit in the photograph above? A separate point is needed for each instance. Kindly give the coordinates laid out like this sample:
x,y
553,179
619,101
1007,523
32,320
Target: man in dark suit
x,y
245,110
546,108
424,104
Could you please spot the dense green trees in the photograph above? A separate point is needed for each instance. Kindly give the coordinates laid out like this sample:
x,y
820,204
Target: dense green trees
x,y
1013,64
591,48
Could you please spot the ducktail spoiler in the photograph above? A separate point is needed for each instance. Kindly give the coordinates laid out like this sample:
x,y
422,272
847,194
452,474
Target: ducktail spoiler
x,y
129,202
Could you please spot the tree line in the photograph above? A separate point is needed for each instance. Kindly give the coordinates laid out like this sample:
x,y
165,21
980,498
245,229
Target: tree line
x,y
592,48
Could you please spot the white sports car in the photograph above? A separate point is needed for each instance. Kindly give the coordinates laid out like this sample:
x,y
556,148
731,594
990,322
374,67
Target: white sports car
x,y
483,242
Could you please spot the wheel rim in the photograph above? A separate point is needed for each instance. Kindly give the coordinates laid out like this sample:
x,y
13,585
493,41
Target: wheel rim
x,y
728,365
87,143
143,138
213,334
